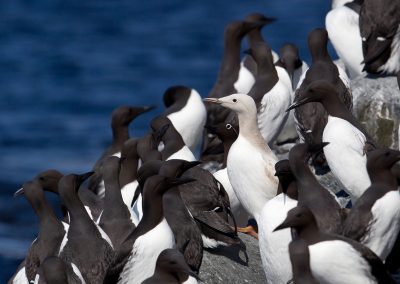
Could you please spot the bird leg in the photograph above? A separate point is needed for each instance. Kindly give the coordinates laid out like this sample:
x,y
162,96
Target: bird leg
x,y
249,230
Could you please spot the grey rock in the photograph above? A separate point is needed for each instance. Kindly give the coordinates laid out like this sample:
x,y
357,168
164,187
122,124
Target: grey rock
x,y
233,264
377,106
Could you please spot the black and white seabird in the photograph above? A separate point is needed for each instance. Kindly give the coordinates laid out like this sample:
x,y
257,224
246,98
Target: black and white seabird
x,y
345,136
274,245
49,238
248,67
342,24
88,250
153,234
187,113
120,120
311,193
333,258
312,118
174,146
271,94
115,219
374,219
171,268
380,33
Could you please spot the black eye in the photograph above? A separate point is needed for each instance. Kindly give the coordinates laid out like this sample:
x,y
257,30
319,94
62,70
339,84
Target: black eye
x,y
298,215
234,100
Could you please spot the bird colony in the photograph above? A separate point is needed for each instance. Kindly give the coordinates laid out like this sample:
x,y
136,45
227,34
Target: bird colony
x,y
149,207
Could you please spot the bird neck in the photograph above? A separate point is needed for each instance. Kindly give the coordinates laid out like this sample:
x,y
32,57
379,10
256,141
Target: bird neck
x,y
254,37
309,233
120,134
320,53
231,56
248,127
113,195
227,146
128,172
75,207
383,177
42,209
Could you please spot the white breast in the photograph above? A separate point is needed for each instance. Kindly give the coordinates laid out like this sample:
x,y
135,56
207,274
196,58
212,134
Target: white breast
x,y
183,154
190,120
137,211
222,177
336,261
274,245
21,278
65,239
191,280
344,32
127,192
272,113
385,224
245,80
145,251
345,155
251,175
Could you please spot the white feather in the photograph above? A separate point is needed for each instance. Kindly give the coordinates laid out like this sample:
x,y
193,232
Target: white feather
x,y
65,239
344,32
272,113
145,251
245,80
183,154
127,192
20,277
336,261
385,224
345,155
274,245
211,243
78,273
190,120
191,280
137,211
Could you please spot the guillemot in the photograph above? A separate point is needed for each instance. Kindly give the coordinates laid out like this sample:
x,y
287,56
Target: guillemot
x,y
380,33
121,117
152,234
344,134
171,268
312,118
331,256
374,219
274,245
342,24
86,243
271,95
187,113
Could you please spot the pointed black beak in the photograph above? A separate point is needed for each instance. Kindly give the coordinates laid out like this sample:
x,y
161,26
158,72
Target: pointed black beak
x,y
285,224
19,192
297,103
317,148
178,181
189,165
85,176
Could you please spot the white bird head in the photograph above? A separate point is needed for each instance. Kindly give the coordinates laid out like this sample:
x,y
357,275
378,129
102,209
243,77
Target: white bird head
x,y
239,103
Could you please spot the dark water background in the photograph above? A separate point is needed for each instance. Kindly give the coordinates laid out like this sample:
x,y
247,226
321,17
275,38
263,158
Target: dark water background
x,y
64,65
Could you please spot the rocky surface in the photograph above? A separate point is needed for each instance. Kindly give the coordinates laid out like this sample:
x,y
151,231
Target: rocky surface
x,y
235,264
377,105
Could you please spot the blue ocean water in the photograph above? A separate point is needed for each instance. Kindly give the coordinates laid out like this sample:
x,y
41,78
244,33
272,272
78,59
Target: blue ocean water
x,y
65,65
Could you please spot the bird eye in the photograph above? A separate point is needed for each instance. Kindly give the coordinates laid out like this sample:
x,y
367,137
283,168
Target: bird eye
x,y
380,38
234,100
298,215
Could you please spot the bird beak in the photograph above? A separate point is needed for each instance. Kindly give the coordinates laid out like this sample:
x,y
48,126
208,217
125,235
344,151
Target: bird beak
x,y
19,192
212,100
316,148
297,103
179,181
282,226
190,165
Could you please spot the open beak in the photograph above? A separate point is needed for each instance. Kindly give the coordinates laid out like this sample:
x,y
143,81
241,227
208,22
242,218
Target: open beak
x,y
212,100
19,192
